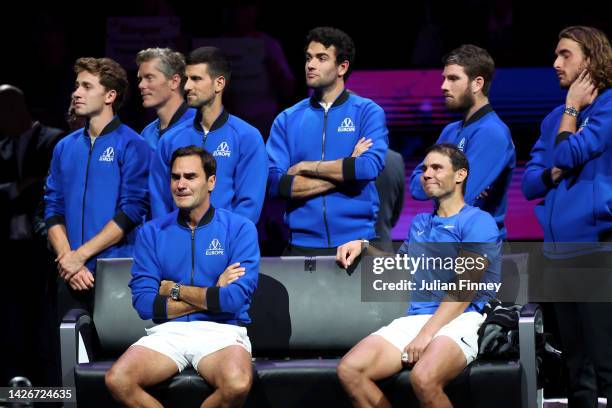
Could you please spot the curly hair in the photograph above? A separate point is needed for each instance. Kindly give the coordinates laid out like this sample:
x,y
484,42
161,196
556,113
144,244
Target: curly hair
x,y
328,36
595,45
112,76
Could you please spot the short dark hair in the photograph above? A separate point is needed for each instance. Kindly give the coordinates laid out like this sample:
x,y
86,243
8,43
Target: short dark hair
x,y
596,46
218,64
209,164
112,76
344,45
475,61
457,158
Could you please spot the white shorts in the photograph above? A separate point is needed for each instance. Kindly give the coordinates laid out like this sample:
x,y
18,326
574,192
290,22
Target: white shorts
x,y
463,330
186,343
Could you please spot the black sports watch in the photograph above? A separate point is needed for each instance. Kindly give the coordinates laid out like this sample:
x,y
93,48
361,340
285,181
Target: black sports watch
x,y
175,292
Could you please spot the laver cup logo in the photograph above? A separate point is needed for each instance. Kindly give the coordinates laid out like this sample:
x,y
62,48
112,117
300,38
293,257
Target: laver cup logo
x,y
214,248
347,125
108,155
222,150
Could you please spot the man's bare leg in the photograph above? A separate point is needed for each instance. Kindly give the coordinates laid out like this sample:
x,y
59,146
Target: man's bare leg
x,y
442,361
372,359
137,368
230,372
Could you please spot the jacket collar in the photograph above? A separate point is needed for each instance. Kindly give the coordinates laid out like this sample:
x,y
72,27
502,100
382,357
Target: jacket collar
x,y
111,127
344,95
478,115
220,121
175,118
183,217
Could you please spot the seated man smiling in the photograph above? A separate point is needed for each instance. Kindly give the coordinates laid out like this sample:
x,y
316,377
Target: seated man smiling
x,y
439,334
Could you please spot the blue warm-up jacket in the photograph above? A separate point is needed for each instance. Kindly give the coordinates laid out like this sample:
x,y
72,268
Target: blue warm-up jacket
x,y
487,143
89,185
579,207
241,165
168,249
306,132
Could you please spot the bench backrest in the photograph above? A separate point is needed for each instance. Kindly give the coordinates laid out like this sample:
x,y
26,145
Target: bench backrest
x,y
301,304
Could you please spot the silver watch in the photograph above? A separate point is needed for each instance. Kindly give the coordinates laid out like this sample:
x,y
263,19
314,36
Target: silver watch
x,y
175,292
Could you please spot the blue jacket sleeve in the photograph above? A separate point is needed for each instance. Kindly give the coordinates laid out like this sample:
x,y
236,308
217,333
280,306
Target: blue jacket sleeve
x,y
372,162
235,296
416,189
159,180
487,154
536,180
133,194
250,177
588,142
277,147
146,275
54,192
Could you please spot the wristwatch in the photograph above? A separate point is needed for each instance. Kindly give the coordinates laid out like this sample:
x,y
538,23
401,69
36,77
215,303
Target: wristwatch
x,y
570,110
175,292
365,244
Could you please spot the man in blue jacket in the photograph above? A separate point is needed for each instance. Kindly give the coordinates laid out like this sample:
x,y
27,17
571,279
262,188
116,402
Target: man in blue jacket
x,y
481,135
571,169
178,280
331,196
96,191
438,337
237,146
161,77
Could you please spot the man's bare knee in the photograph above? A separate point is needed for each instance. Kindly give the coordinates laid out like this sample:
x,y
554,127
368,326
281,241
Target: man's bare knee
x,y
423,383
118,381
236,383
349,371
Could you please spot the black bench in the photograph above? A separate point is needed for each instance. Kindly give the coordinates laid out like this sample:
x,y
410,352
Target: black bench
x,y
306,312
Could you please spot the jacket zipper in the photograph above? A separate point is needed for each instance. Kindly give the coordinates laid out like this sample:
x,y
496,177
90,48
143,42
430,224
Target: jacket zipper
x,y
323,197
192,255
91,145
204,137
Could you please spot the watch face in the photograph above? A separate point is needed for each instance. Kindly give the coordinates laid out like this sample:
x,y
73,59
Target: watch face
x,y
174,292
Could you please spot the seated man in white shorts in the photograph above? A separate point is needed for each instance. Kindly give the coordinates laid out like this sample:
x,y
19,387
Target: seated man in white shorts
x,y
178,280
438,338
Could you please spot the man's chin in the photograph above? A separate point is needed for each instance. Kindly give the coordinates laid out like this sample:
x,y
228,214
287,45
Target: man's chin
x,y
149,105
429,193
183,205
564,84
456,107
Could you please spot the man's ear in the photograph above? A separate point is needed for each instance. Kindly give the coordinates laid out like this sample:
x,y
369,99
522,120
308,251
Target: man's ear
x,y
460,175
175,82
220,84
110,97
343,68
212,181
477,84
